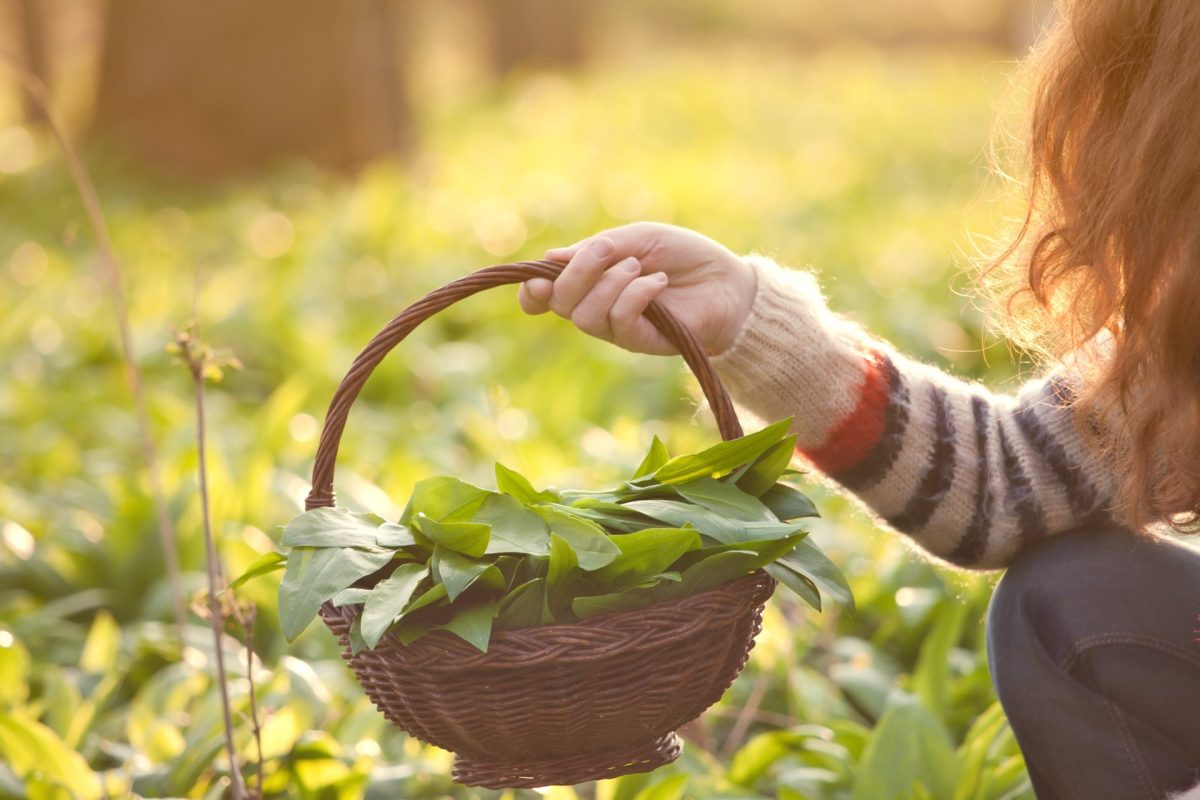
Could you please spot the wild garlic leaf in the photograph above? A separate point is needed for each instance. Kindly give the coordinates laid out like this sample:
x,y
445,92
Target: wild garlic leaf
x,y
388,599
808,560
347,597
644,554
514,528
595,605
654,460
516,485
474,624
788,503
389,534
457,573
331,527
559,580
444,499
725,499
723,457
798,583
523,606
767,469
593,547
428,597
468,538
315,574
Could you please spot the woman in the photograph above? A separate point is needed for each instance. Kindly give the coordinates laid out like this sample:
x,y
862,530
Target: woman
x,y
1094,631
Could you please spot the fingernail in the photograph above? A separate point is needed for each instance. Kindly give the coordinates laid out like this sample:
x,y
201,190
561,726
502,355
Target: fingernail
x,y
631,265
602,247
660,277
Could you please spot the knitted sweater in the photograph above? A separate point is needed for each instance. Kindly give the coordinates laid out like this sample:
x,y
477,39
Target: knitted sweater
x,y
970,476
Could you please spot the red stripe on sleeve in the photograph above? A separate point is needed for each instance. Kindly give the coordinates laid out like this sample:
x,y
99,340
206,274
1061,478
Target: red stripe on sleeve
x,y
856,435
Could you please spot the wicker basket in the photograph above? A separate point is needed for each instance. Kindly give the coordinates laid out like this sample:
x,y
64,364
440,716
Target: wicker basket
x,y
555,704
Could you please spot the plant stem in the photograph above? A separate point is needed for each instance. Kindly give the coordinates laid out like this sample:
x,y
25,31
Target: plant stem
x,y
216,617
110,268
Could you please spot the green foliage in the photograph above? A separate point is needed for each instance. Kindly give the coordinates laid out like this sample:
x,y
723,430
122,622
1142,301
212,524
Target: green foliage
x,y
482,547
858,162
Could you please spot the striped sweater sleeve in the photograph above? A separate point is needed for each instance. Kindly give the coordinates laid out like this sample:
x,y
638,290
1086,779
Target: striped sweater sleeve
x,y
970,476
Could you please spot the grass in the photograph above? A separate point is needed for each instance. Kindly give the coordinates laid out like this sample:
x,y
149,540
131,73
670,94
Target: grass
x,y
868,166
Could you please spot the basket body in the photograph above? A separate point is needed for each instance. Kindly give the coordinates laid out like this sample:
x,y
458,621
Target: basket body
x,y
567,703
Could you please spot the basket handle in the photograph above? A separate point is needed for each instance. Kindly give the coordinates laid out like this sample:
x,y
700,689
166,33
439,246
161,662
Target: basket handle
x,y
502,274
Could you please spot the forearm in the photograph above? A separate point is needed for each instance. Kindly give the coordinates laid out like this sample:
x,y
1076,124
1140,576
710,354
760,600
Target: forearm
x,y
970,475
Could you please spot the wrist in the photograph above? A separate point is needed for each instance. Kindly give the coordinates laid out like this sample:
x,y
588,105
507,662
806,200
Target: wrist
x,y
741,288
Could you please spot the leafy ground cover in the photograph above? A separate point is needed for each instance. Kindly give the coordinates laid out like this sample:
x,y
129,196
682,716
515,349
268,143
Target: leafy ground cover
x,y
867,166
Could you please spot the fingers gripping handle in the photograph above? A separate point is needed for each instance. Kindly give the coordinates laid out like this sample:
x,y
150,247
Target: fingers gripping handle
x,y
408,319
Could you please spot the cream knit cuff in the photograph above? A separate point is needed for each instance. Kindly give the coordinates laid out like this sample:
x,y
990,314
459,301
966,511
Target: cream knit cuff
x,y
793,356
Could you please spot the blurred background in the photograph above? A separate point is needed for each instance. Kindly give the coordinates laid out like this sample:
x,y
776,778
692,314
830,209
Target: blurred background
x,y
292,173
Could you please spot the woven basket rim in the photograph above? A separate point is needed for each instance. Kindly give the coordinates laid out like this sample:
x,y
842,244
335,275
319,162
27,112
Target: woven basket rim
x,y
522,646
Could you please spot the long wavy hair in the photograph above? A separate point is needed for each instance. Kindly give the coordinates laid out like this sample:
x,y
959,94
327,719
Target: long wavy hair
x,y
1105,269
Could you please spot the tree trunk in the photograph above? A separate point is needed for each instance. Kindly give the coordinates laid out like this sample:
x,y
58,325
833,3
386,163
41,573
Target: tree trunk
x,y
32,31
215,87
538,33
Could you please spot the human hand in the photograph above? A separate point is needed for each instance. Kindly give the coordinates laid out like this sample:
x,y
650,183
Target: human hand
x,y
612,276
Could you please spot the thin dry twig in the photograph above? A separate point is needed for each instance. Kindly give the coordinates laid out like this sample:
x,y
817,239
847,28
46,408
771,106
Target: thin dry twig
x,y
200,363
738,733
111,272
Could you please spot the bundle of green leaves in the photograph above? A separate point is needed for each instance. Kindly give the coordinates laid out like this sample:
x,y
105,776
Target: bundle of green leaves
x,y
469,560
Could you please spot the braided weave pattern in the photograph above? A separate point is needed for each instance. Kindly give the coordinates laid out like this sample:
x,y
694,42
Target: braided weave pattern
x,y
560,704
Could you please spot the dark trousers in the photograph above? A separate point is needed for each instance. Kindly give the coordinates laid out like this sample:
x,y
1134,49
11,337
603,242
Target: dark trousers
x,y
1094,646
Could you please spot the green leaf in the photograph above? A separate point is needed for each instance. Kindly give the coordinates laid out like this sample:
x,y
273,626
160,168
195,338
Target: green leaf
x,y
722,457
351,596
654,460
711,524
768,468
515,529
800,584
715,570
611,516
596,605
444,499
518,486
559,581
593,547
468,538
788,503
315,574
355,637
725,499
430,596
808,560
644,554
388,599
458,572
102,646
331,527
31,749
908,745
389,534
931,678
264,564
522,607
474,624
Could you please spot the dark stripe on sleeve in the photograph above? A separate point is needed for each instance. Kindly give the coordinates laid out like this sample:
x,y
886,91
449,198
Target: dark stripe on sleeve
x,y
938,477
1080,494
973,544
871,469
1019,498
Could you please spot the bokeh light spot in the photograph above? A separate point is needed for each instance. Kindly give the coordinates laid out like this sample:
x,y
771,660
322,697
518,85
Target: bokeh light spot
x,y
271,235
28,263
